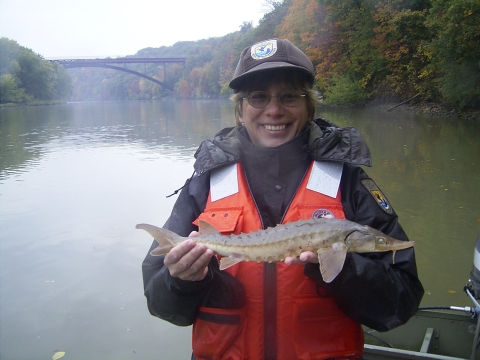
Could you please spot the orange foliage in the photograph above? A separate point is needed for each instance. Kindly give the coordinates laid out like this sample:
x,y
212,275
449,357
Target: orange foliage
x,y
184,89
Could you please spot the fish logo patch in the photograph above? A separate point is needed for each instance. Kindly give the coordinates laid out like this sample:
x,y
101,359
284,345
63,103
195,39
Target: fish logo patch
x,y
264,49
321,213
377,194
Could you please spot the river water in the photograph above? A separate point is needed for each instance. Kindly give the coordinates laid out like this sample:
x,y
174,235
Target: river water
x,y
76,178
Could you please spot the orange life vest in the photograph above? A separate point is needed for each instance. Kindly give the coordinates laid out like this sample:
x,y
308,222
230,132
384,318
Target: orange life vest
x,y
306,325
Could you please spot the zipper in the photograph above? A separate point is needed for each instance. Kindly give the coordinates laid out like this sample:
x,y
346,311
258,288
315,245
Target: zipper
x,y
270,287
295,194
269,298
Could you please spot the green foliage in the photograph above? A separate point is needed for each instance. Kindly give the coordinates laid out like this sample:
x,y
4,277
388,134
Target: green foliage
x,y
9,91
9,50
456,50
62,87
460,84
26,76
36,76
345,89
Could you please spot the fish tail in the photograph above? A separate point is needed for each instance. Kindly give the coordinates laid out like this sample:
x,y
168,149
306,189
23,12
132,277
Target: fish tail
x,y
166,239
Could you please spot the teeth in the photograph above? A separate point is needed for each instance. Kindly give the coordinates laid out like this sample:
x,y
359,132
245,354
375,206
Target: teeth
x,y
275,127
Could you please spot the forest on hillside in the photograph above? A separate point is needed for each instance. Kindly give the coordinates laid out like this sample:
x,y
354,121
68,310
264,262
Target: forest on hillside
x,y
362,50
26,77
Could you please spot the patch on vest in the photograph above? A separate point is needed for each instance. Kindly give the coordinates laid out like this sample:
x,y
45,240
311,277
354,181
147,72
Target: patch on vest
x,y
321,213
380,199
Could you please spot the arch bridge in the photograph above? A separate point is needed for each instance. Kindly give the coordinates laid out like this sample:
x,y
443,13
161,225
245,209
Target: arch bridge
x,y
113,64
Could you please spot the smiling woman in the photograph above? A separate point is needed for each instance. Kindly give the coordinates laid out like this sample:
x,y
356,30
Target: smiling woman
x,y
279,165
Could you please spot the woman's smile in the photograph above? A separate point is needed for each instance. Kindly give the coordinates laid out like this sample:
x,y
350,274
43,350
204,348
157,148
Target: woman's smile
x,y
275,127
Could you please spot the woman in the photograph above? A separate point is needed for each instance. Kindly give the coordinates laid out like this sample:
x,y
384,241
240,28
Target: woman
x,y
272,168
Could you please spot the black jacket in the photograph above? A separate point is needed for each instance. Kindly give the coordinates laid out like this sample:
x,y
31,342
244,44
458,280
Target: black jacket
x,y
371,289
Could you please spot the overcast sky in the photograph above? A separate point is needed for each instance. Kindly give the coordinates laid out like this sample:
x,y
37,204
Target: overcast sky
x,y
98,28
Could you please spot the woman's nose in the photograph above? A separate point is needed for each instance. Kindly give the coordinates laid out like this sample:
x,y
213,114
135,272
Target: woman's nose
x,y
274,106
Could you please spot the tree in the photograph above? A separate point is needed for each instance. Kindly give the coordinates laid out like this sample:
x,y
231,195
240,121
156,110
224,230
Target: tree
x,y
400,36
344,42
63,83
8,52
9,91
456,50
36,75
30,77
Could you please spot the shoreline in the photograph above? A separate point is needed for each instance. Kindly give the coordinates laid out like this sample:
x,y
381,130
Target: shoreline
x,y
33,103
430,108
427,108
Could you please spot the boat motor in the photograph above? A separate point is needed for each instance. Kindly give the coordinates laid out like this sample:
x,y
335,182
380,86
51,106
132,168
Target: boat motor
x,y
475,274
473,290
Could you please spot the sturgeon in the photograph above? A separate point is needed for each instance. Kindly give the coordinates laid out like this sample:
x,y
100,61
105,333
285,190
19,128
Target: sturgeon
x,y
331,239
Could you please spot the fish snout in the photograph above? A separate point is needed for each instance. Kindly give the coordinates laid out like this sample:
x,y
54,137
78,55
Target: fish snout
x,y
385,243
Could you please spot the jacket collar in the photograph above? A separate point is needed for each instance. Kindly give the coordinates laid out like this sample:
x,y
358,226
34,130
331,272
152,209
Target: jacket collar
x,y
329,142
326,142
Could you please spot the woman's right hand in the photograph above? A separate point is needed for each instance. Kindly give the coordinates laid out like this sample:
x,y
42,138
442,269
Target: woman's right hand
x,y
189,260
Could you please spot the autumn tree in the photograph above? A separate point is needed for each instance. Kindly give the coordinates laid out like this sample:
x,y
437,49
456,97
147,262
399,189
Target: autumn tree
x,y
348,57
400,38
455,50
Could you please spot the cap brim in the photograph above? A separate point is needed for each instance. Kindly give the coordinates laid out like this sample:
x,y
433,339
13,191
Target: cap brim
x,y
236,83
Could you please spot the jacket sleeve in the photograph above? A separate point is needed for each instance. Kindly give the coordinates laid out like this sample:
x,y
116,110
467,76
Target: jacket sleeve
x,y
177,300
375,289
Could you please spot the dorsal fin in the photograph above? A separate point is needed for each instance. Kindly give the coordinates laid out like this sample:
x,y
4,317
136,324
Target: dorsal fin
x,y
204,228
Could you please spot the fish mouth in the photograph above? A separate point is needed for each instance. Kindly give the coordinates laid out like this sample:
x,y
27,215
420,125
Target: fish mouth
x,y
275,127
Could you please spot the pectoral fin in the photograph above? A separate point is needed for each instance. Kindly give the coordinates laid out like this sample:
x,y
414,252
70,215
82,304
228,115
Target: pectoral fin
x,y
228,261
331,260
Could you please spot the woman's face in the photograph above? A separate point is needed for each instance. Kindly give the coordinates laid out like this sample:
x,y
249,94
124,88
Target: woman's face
x,y
275,124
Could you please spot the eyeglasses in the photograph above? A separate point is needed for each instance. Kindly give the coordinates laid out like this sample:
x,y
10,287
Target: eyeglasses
x,y
260,99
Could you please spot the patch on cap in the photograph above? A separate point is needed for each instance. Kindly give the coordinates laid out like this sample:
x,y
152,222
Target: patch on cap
x,y
264,49
380,199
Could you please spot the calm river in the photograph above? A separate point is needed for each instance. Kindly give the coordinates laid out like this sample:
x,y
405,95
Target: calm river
x,y
76,178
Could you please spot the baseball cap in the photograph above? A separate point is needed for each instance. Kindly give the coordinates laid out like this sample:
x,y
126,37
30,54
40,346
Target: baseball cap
x,y
271,54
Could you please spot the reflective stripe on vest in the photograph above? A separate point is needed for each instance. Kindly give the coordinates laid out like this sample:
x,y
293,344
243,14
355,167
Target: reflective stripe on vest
x,y
305,325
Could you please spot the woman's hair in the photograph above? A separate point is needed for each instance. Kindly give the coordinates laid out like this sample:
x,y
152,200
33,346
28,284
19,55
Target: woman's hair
x,y
288,78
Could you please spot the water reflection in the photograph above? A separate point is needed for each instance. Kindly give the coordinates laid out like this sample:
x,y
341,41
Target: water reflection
x,y
76,178
26,133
